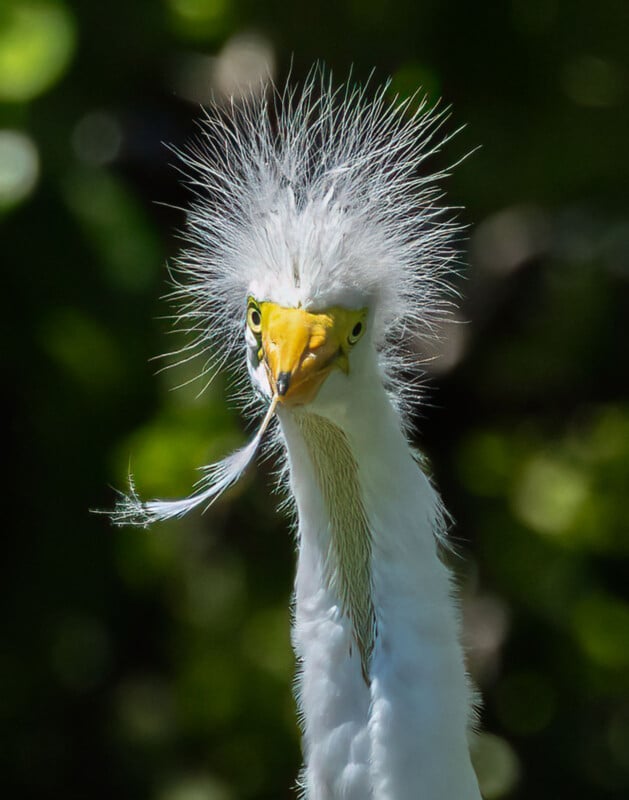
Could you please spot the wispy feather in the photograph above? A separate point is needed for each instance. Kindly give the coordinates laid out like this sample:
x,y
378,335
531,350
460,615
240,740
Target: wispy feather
x,y
131,510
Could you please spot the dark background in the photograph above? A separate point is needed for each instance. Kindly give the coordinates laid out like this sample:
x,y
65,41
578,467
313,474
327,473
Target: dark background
x,y
157,664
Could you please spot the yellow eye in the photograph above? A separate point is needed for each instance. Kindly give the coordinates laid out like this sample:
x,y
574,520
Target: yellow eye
x,y
254,319
356,332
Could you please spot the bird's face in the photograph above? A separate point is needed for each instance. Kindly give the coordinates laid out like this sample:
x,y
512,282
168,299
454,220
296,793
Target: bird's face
x,y
292,351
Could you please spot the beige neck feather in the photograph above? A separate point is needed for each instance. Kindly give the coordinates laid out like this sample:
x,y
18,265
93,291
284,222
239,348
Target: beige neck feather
x,y
348,561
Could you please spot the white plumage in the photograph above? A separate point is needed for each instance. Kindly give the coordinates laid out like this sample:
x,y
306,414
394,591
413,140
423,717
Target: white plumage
x,y
317,252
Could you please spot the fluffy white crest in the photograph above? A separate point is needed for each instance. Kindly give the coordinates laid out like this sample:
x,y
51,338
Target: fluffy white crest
x,y
312,198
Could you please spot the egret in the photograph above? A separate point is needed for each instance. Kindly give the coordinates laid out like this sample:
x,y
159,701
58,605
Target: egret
x,y
318,252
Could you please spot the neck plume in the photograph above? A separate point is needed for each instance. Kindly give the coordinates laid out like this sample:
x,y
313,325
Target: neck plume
x,y
349,546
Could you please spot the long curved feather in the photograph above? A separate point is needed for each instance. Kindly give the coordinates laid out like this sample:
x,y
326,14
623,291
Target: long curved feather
x,y
131,510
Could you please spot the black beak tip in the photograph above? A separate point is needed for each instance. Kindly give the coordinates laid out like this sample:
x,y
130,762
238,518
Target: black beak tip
x,y
283,382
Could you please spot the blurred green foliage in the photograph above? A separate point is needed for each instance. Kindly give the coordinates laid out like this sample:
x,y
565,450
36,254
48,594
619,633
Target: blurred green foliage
x,y
158,664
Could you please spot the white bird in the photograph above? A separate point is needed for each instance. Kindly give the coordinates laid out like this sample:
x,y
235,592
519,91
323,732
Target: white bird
x,y
318,253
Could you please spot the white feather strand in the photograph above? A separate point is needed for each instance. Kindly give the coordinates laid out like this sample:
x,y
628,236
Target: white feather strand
x,y
131,510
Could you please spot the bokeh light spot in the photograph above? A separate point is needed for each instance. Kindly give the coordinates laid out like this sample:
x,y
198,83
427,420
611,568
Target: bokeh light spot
x,y
550,495
245,64
496,764
601,625
446,349
97,138
199,19
195,787
37,41
19,167
486,624
593,82
509,239
145,709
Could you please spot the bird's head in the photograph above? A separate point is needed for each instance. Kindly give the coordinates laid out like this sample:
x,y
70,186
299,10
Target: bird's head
x,y
318,229
291,351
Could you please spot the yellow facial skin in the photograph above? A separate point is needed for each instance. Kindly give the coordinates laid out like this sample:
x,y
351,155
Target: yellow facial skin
x,y
300,349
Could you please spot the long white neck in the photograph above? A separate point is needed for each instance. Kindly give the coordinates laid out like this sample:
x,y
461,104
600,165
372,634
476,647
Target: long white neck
x,y
382,685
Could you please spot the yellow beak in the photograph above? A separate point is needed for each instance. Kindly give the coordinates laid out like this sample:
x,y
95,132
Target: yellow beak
x,y
300,350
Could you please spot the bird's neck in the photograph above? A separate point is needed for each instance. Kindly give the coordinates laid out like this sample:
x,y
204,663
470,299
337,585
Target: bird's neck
x,y
375,627
367,514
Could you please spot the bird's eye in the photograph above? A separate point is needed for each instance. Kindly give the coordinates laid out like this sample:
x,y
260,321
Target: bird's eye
x,y
356,333
254,319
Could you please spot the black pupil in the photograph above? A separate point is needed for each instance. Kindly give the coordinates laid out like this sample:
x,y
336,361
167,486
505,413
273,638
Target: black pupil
x,y
357,329
255,318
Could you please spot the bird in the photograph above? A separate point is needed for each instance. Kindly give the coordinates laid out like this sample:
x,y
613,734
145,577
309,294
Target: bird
x,y
319,252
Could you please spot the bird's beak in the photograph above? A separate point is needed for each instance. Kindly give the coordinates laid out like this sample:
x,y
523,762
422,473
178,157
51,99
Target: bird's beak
x,y
300,350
